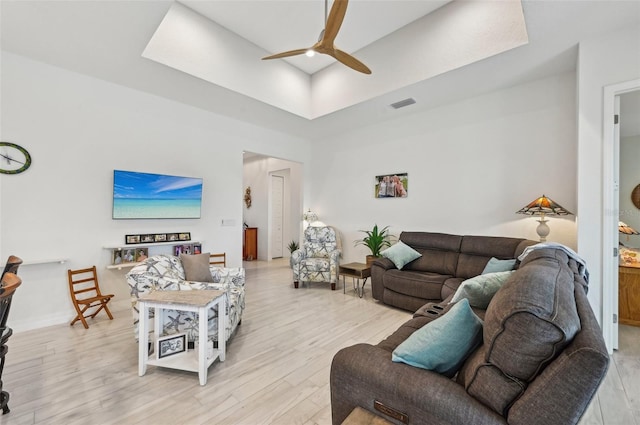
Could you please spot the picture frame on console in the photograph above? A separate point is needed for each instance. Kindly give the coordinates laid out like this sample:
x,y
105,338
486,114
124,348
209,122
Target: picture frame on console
x,y
141,254
128,256
116,256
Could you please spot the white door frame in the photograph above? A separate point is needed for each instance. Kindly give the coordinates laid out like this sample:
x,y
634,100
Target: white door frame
x,y
609,219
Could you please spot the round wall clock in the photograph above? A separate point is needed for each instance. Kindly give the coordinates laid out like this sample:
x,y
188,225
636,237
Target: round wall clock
x,y
635,196
14,158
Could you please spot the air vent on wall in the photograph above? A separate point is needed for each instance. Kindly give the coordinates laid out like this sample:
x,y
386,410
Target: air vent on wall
x,y
403,103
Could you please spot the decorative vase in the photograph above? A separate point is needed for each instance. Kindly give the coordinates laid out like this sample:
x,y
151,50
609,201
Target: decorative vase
x,y
371,259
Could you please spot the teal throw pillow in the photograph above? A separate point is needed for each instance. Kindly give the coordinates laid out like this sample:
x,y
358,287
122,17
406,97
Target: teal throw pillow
x,y
480,290
444,344
401,254
495,265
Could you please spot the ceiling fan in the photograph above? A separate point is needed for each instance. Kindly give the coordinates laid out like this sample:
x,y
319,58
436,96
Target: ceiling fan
x,y
327,36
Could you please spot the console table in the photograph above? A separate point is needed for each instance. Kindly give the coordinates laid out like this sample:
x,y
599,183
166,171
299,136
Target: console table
x,y
250,244
629,295
199,301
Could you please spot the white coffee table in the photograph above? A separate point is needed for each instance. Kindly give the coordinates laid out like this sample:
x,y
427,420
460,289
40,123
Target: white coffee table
x,y
198,301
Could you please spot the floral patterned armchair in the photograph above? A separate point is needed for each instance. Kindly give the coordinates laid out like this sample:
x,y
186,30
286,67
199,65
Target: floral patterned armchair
x,y
318,258
165,273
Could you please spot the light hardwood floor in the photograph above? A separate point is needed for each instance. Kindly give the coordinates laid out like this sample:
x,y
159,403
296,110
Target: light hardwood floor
x,y
276,370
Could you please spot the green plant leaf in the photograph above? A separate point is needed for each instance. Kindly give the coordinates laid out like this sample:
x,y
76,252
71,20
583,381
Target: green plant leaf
x,y
376,239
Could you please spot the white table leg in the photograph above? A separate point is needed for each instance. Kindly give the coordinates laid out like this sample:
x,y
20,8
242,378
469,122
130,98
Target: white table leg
x,y
143,338
203,343
222,327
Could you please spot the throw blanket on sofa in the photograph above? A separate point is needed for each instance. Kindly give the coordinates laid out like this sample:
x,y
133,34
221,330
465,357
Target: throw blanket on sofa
x,y
582,264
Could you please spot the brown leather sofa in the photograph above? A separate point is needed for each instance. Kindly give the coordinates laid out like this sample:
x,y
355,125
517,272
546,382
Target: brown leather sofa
x,y
541,360
446,261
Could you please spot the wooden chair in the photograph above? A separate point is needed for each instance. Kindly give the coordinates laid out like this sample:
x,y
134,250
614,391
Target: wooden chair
x,y
12,265
9,284
85,294
218,259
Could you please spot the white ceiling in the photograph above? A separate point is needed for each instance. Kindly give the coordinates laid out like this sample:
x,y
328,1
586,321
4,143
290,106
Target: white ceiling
x,y
453,36
105,39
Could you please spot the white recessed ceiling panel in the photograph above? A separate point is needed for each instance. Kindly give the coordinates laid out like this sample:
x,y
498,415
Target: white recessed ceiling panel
x,y
278,26
400,50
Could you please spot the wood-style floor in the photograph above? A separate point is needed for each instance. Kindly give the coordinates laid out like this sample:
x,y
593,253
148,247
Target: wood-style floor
x,y
276,370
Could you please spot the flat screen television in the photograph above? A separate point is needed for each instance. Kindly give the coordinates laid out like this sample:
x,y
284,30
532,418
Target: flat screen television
x,y
144,195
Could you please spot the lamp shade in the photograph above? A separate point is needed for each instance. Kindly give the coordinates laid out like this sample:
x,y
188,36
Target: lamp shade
x,y
543,206
310,216
626,229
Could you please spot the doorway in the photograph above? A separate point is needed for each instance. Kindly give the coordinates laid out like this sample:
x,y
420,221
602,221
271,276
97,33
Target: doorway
x,y
610,208
276,207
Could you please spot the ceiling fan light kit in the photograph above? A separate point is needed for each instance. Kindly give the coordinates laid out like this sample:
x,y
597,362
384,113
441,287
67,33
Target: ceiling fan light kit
x,y
327,37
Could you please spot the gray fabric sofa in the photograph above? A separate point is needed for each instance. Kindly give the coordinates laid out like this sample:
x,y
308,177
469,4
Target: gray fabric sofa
x,y
446,261
541,360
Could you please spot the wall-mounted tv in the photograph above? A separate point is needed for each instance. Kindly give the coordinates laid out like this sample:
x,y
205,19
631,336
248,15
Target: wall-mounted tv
x,y
144,195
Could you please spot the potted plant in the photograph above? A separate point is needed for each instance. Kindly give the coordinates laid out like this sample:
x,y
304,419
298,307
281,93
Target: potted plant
x,y
293,245
376,240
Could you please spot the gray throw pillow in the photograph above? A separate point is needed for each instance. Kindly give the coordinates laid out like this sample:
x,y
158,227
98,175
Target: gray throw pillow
x,y
196,267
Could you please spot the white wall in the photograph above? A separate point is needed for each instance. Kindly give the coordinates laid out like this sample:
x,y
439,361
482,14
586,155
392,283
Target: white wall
x,y
603,61
257,171
629,179
471,166
78,130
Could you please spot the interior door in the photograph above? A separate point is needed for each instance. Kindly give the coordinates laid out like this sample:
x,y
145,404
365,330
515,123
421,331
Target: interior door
x,y
277,216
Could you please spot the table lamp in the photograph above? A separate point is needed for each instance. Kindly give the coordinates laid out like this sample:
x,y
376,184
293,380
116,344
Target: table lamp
x,y
542,207
310,216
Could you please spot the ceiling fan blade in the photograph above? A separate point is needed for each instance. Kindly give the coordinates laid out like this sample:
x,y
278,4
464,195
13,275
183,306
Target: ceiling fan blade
x,y
334,22
350,61
286,54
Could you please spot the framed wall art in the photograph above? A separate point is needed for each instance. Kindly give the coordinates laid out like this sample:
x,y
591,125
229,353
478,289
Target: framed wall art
x,y
391,186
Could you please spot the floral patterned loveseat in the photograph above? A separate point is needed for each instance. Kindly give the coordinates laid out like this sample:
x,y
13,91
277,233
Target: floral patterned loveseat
x,y
165,273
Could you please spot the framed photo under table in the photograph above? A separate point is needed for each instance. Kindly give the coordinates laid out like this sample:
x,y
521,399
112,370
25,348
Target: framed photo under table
x,y
197,301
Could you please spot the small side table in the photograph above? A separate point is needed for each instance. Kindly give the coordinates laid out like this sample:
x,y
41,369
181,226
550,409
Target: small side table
x,y
357,271
198,301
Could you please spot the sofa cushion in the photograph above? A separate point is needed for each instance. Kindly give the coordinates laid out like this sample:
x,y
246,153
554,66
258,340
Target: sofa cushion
x,y
476,251
529,321
416,284
196,267
495,265
439,251
480,290
401,254
442,345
